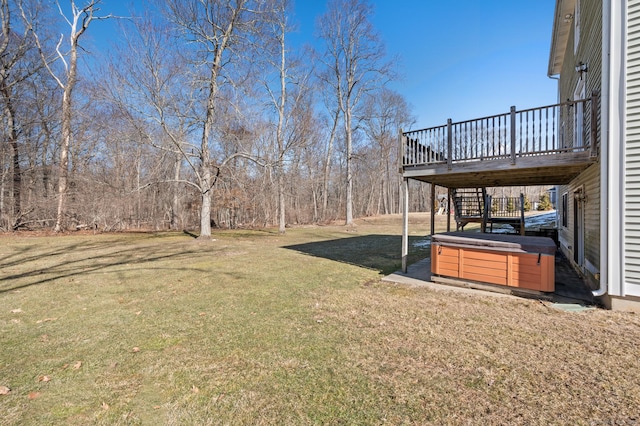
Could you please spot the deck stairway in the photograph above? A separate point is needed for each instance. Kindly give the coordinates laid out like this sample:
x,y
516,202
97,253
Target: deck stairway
x,y
469,207
474,205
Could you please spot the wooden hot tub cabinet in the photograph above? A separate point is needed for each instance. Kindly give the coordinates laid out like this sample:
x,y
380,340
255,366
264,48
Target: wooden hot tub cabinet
x,y
509,260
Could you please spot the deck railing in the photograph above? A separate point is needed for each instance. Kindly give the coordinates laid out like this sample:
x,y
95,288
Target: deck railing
x,y
506,206
565,127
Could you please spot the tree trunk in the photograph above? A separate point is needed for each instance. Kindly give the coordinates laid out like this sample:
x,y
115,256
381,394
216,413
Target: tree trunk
x,y
66,142
327,165
349,189
206,183
86,13
205,216
205,172
175,203
15,155
281,203
280,106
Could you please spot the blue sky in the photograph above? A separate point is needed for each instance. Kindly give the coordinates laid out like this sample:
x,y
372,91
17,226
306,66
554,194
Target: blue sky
x,y
459,60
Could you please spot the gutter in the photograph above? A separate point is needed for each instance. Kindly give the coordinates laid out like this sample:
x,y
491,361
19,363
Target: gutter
x,y
605,167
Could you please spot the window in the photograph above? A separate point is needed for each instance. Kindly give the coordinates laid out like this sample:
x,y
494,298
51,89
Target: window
x,y
565,206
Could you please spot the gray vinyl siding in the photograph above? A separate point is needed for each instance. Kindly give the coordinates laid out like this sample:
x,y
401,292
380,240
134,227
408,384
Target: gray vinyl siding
x,y
589,52
589,181
632,154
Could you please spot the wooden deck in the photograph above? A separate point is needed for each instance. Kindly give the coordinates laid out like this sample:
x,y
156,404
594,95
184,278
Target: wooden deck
x,y
549,145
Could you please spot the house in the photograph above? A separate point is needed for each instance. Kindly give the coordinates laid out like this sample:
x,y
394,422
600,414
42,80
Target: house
x,y
587,146
595,48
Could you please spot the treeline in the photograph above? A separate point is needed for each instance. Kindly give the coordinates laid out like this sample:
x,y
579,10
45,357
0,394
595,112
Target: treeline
x,y
196,113
201,114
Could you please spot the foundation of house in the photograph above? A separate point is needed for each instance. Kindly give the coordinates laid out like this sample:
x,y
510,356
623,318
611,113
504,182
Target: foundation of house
x,y
625,304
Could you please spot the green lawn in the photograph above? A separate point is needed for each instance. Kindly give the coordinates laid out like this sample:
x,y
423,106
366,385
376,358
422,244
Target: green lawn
x,y
259,328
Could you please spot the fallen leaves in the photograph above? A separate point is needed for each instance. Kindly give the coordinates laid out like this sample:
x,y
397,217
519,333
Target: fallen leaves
x,y
44,379
5,390
46,320
33,395
16,311
136,349
75,366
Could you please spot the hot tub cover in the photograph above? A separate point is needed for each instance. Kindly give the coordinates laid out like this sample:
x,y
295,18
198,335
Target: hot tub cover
x,y
498,242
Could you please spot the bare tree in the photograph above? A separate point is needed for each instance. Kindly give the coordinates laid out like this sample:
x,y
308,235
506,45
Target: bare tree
x,y
334,112
15,44
79,20
221,31
289,96
199,140
278,97
355,57
147,82
385,112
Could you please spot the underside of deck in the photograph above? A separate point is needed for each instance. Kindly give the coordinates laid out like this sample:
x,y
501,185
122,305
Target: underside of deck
x,y
554,169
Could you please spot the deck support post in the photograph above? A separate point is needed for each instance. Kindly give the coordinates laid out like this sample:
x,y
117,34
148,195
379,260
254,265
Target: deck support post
x,y
522,230
433,210
405,223
450,195
449,143
513,134
401,151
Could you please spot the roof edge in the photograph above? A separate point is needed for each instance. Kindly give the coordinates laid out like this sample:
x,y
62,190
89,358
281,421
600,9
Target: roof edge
x,y
562,21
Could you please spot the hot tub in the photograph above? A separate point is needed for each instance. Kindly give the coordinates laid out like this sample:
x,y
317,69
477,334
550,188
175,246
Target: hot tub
x,y
508,260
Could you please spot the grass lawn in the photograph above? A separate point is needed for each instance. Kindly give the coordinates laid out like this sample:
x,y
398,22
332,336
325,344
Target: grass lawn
x,y
259,328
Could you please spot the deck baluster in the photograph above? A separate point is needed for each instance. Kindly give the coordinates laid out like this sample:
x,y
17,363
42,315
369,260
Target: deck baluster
x,y
519,124
526,133
546,129
539,130
495,145
487,139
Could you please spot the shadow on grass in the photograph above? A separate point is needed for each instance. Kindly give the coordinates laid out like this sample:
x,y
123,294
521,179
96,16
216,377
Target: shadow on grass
x,y
378,252
81,258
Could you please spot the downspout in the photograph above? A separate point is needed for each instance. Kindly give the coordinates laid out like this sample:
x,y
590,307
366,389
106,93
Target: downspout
x,y
556,187
604,151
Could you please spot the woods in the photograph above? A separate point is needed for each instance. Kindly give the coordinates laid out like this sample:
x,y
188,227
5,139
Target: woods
x,y
195,114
